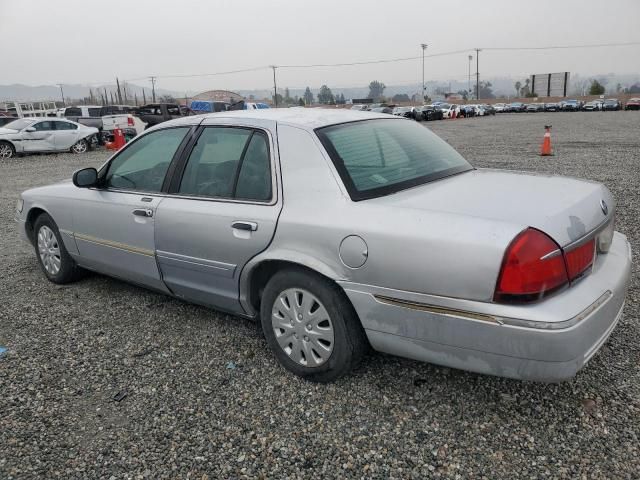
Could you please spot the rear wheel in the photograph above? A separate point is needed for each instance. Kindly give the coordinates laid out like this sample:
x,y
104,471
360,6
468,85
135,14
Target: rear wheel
x,y
310,326
54,260
6,150
81,146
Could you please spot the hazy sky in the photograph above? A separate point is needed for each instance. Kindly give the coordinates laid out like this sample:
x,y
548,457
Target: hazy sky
x,y
86,41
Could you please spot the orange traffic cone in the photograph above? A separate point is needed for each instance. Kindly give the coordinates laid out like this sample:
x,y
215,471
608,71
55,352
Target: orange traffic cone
x,y
546,142
118,139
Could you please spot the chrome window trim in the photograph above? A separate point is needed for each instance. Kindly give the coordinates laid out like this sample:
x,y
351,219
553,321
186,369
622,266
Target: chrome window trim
x,y
272,168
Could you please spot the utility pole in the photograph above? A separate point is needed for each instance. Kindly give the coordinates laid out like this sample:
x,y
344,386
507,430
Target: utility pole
x,y
62,94
119,92
477,74
153,88
470,60
275,88
144,98
424,47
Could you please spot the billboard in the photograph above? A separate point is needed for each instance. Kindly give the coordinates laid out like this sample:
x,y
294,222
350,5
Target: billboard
x,y
550,84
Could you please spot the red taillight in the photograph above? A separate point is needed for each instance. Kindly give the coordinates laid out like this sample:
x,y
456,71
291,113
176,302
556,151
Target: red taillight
x,y
130,121
579,259
533,266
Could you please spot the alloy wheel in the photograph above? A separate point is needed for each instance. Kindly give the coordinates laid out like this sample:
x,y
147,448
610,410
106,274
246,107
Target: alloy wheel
x,y
79,147
302,327
49,250
5,151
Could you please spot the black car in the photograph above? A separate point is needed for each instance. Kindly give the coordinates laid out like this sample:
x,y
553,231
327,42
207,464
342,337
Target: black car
x,y
571,106
429,112
407,112
488,109
552,107
611,104
517,107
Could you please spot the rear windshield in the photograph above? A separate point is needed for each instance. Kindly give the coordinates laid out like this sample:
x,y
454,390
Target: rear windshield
x,y
379,157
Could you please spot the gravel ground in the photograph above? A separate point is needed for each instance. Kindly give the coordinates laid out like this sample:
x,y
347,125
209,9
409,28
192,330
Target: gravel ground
x,y
105,380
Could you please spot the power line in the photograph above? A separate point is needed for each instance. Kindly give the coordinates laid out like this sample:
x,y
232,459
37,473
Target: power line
x,y
559,47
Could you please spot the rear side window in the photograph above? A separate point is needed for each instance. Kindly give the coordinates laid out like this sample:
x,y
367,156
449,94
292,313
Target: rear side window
x,y
65,126
94,112
144,164
229,163
379,157
72,112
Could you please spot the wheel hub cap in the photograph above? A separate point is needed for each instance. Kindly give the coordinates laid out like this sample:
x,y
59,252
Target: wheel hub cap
x,y
5,151
49,250
302,327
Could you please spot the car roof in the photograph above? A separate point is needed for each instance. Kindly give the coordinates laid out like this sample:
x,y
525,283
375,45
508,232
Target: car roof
x,y
306,118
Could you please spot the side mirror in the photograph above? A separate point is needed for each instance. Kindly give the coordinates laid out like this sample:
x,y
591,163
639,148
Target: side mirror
x,y
30,129
85,178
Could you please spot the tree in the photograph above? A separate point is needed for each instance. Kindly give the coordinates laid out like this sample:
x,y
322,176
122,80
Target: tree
x,y
308,96
596,88
618,88
166,99
486,90
325,96
464,94
301,102
400,97
277,99
287,95
376,89
518,86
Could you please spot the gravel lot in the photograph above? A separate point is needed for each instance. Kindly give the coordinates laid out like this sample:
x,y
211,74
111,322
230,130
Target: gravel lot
x,y
105,380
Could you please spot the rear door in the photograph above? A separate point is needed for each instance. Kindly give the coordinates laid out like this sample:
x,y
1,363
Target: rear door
x,y
66,134
222,211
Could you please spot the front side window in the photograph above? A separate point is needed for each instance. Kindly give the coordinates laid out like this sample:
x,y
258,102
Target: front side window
x,y
229,163
173,110
72,112
144,164
94,112
44,126
379,157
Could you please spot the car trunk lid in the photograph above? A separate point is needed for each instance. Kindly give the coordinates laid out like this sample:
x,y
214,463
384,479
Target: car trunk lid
x,y
564,208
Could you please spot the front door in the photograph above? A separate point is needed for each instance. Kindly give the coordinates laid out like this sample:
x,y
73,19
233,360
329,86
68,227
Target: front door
x,y
66,134
42,140
223,212
114,225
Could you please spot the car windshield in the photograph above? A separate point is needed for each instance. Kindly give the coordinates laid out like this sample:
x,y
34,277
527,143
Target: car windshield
x,y
610,101
379,157
402,109
19,124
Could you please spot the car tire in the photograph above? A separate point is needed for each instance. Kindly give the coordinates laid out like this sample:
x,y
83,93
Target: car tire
x,y
81,146
53,257
307,319
6,150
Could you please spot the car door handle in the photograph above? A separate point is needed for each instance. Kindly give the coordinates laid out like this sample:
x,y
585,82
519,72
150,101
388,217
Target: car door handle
x,y
248,226
143,212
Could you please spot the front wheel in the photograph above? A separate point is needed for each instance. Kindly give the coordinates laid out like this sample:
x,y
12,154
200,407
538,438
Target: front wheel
x,y
310,326
54,260
6,150
81,146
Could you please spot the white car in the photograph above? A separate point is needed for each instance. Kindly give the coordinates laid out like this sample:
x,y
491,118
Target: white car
x,y
30,135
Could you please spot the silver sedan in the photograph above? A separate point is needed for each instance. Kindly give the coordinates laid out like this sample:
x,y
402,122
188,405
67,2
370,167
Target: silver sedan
x,y
31,135
344,230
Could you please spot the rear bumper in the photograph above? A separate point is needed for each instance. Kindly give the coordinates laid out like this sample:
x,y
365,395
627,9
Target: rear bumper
x,y
549,341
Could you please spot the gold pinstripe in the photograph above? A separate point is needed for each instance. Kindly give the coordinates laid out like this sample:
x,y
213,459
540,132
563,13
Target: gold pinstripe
x,y
112,244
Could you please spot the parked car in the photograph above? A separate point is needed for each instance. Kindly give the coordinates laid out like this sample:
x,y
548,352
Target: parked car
x,y
571,105
517,107
360,106
106,119
530,288
6,118
593,106
155,113
255,106
31,135
388,110
611,104
448,110
431,112
535,107
407,112
488,109
552,107
633,104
